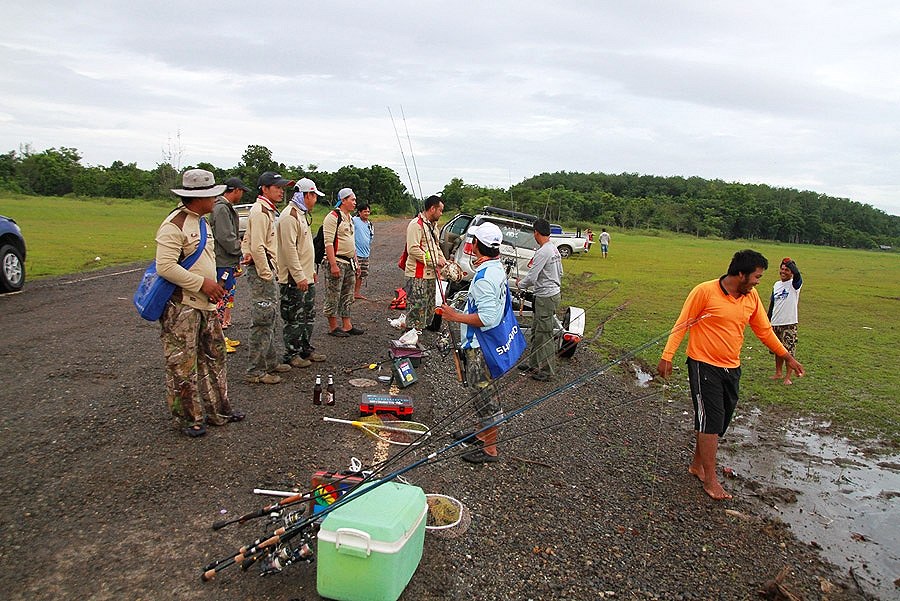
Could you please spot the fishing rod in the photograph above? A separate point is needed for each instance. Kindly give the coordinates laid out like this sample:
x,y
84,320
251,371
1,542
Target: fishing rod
x,y
411,153
433,249
249,554
582,379
412,188
558,424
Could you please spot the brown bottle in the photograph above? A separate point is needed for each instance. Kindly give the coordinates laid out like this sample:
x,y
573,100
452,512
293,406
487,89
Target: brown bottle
x,y
317,391
329,391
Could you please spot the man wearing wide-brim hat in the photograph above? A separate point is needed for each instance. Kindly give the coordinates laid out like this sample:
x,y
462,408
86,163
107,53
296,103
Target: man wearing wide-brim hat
x,y
193,343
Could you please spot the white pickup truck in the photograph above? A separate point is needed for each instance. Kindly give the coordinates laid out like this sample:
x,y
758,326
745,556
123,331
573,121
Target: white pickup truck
x,y
516,251
518,239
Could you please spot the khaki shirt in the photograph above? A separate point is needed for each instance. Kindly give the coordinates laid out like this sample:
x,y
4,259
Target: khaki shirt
x,y
418,242
177,238
345,245
259,239
296,257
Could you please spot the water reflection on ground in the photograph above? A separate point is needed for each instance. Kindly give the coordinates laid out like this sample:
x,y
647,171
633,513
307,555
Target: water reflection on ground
x,y
847,497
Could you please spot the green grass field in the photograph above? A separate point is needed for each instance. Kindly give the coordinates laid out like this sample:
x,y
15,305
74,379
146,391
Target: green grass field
x,y
849,330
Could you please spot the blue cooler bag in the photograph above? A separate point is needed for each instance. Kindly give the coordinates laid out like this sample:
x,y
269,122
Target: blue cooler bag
x,y
154,291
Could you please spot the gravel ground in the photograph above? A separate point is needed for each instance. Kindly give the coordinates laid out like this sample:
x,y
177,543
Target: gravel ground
x,y
102,498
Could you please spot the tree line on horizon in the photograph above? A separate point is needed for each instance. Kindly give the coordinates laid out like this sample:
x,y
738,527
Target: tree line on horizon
x,y
692,205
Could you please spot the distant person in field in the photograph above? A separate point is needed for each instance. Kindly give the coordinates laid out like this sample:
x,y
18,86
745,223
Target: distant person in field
x,y
716,313
604,242
545,277
783,313
341,268
297,275
193,343
423,258
225,226
363,232
259,248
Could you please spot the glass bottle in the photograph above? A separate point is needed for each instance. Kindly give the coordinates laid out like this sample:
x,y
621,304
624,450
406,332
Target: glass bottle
x,y
329,391
317,391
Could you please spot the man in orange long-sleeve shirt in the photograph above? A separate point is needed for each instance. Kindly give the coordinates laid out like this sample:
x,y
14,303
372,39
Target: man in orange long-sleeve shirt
x,y
716,313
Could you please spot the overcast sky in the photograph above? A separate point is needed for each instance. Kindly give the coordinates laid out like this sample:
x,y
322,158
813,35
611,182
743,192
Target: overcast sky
x,y
801,94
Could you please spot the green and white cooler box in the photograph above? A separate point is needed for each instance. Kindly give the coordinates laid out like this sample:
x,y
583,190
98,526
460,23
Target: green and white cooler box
x,y
369,548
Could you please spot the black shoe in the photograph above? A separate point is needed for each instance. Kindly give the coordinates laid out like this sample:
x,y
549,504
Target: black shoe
x,y
236,416
354,331
467,438
541,376
338,333
194,430
461,434
479,456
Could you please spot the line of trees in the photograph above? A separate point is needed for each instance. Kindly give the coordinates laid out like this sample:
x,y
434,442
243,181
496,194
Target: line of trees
x,y
59,172
627,200
690,205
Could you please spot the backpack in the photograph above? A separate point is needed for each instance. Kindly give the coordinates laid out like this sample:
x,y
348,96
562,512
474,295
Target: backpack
x,y
319,240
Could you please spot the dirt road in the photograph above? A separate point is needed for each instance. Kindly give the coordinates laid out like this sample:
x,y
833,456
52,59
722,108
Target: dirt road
x,y
101,498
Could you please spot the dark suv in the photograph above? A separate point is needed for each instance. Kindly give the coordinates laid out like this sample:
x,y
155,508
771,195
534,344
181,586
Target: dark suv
x,y
12,256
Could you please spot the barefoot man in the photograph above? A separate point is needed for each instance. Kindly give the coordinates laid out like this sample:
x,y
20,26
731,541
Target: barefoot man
x,y
719,311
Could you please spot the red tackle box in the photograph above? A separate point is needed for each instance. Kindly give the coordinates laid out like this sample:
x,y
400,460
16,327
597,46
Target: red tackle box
x,y
399,405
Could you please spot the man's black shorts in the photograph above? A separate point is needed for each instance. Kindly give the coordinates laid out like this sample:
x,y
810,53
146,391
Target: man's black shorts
x,y
714,391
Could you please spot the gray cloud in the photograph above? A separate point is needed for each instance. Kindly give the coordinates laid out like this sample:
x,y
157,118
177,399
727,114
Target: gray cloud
x,y
787,93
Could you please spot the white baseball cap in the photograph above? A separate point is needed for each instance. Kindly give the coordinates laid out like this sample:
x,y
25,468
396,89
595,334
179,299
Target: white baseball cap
x,y
488,234
307,185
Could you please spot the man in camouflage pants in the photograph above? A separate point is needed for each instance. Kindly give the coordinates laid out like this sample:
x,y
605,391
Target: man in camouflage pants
x,y
340,265
423,255
297,274
194,346
258,247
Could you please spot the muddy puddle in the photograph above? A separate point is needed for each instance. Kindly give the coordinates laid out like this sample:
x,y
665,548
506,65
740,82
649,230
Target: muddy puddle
x,y
838,497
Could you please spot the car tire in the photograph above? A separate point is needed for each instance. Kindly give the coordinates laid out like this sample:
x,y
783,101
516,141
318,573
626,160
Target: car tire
x,y
12,269
565,251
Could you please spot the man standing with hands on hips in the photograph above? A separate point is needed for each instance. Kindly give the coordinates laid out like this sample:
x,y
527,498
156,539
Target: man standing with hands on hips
x,y
716,313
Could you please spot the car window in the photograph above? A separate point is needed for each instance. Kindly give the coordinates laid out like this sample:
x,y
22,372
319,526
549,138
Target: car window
x,y
520,236
459,225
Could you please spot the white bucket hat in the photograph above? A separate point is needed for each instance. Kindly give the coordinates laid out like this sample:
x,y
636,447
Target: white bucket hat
x,y
198,183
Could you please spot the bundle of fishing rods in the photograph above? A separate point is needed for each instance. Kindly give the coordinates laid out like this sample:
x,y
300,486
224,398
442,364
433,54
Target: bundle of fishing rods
x,y
293,529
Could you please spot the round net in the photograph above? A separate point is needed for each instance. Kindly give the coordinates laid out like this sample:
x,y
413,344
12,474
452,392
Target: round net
x,y
447,517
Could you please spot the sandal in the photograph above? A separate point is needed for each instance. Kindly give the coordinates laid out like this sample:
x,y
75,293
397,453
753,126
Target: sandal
x,y
194,430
